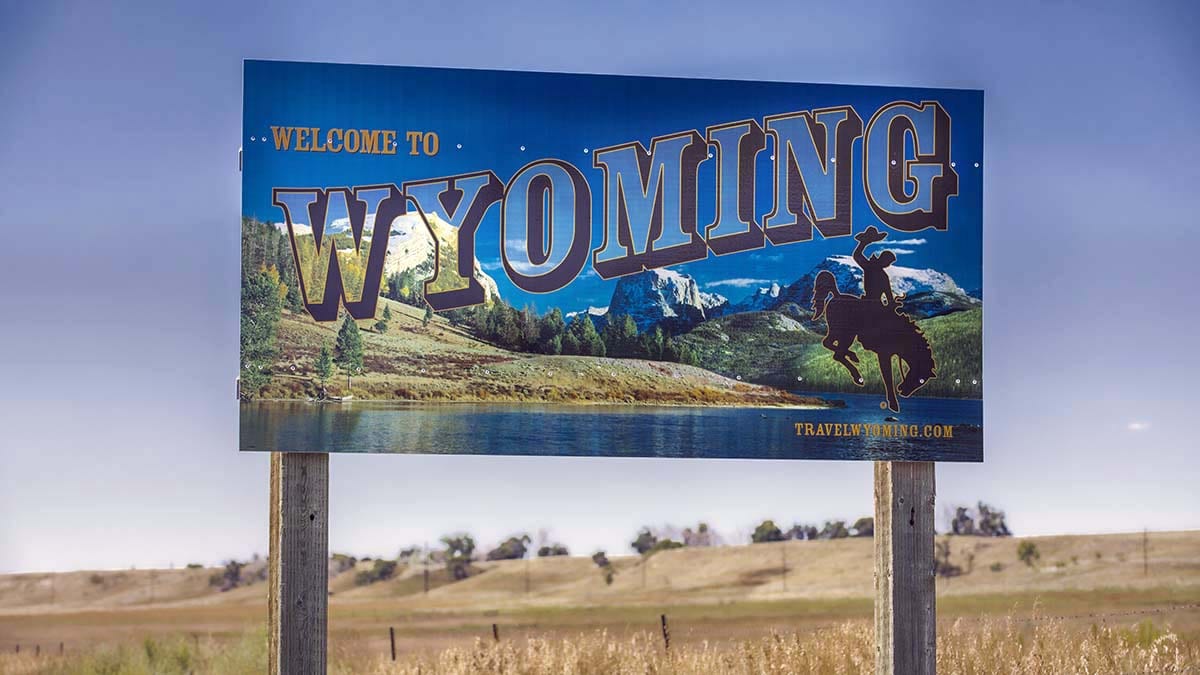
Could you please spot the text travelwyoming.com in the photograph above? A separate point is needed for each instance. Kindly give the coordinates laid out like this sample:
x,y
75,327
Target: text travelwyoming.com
x,y
875,430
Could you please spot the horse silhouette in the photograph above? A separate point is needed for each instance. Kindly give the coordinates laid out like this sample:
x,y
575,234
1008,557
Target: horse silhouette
x,y
880,329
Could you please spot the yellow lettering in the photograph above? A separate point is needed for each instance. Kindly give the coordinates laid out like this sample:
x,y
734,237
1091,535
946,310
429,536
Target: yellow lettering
x,y
389,142
431,144
301,140
413,137
334,146
370,142
352,140
317,145
283,137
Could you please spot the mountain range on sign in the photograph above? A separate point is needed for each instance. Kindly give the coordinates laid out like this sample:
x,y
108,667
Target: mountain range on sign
x,y
676,302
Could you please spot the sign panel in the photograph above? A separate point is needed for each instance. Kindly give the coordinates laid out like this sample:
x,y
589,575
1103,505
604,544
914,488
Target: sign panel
x,y
482,262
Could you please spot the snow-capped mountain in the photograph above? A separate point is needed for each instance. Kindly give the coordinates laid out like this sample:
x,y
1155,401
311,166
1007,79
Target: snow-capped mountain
x,y
908,281
761,299
675,301
665,296
410,246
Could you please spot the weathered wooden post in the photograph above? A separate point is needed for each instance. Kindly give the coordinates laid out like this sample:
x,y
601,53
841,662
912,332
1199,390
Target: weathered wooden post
x,y
392,635
297,594
905,605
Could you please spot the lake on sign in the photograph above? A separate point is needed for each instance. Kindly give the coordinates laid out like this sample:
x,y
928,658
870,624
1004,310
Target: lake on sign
x,y
859,430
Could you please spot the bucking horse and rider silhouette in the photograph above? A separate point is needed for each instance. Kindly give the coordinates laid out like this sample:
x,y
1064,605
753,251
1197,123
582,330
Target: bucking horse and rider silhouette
x,y
875,320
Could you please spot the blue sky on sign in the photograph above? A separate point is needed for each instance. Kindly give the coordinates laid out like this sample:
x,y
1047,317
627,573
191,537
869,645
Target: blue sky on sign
x,y
503,121
119,192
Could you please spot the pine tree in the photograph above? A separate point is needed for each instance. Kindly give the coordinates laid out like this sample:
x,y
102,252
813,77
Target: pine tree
x,y
349,348
260,316
652,344
585,336
324,364
551,332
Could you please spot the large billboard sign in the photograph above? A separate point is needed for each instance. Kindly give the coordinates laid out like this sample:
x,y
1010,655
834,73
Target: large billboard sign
x,y
483,262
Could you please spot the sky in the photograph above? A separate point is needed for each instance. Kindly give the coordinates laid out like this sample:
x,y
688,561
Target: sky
x,y
120,196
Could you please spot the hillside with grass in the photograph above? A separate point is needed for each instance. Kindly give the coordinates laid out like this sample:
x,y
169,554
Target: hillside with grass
x,y
776,349
429,358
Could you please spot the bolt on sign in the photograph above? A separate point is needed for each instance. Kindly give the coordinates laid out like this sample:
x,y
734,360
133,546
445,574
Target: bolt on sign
x,y
489,262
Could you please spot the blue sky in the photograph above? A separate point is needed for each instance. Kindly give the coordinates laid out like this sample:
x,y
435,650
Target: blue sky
x,y
118,281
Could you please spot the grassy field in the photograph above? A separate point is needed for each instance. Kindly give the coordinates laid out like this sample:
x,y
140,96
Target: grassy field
x,y
415,361
771,348
719,601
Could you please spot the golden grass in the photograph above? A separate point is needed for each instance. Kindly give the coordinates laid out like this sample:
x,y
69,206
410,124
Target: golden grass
x,y
1043,646
966,648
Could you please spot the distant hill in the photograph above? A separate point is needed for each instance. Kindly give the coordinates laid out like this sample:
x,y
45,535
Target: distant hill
x,y
839,568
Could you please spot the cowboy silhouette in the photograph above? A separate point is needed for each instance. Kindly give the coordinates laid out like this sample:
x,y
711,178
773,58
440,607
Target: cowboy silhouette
x,y
875,321
877,286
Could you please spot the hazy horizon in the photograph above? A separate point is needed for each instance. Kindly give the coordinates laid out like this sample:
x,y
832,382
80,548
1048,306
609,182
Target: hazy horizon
x,y
119,183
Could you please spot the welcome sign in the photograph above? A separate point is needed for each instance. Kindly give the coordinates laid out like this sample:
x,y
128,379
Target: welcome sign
x,y
483,262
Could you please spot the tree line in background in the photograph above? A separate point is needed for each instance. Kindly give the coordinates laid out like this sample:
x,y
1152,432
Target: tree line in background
x,y
458,551
524,330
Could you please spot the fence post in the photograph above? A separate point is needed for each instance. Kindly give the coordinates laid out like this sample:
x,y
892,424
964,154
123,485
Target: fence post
x,y
905,610
298,588
392,635
666,633
495,633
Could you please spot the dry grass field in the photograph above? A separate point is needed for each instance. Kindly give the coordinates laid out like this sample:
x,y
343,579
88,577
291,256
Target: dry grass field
x,y
1084,593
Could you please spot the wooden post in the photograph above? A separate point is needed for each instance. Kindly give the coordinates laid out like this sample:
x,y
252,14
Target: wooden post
x,y
392,635
297,593
495,632
905,609
666,633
